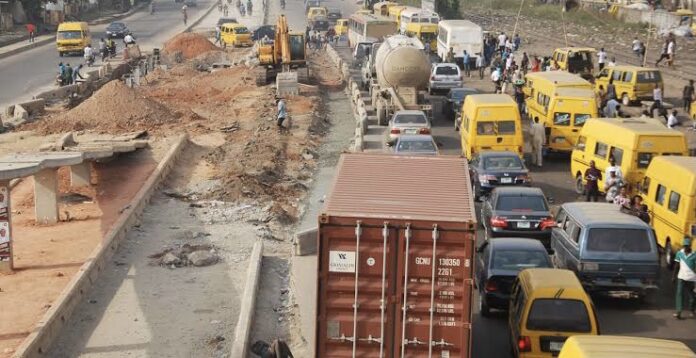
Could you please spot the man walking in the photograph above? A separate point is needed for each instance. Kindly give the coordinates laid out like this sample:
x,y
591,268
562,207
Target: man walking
x,y
467,66
480,65
657,98
450,55
538,133
688,95
601,58
31,29
685,278
282,112
592,177
663,54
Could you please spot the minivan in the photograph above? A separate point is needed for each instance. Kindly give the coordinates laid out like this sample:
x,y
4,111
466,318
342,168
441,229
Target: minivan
x,y
623,347
546,307
72,37
669,191
612,252
575,60
632,83
490,122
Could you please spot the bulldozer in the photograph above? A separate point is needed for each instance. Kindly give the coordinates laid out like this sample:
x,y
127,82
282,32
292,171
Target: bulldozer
x,y
287,52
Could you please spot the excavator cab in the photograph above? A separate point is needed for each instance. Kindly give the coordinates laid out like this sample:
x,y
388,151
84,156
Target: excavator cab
x,y
287,51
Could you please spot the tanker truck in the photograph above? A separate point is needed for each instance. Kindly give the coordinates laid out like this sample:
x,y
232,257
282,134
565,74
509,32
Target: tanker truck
x,y
403,70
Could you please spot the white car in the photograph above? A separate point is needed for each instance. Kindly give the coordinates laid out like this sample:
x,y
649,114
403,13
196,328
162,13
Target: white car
x,y
445,76
407,122
409,144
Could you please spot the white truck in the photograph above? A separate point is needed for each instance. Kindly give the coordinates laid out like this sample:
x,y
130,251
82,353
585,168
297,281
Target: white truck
x,y
459,35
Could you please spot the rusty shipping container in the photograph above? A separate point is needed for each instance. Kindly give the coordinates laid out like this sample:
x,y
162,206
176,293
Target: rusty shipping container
x,y
396,253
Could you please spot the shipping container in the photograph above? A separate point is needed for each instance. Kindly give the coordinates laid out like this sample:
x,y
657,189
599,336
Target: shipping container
x,y
396,253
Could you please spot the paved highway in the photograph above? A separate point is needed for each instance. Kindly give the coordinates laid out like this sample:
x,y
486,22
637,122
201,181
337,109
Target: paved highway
x,y
32,71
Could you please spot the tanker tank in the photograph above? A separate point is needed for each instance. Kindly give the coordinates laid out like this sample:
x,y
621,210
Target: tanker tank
x,y
401,62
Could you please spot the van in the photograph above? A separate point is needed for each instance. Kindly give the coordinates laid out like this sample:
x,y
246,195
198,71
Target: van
x,y
72,37
612,253
490,122
632,83
341,27
316,12
631,142
426,33
382,8
623,347
460,36
235,35
575,60
395,14
546,307
549,81
669,191
412,15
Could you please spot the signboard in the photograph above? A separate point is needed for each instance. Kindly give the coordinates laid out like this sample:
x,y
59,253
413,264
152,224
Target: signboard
x,y
342,261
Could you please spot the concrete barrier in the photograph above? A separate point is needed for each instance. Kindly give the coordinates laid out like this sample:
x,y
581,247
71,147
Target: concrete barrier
x,y
58,93
39,341
34,107
305,242
358,146
246,312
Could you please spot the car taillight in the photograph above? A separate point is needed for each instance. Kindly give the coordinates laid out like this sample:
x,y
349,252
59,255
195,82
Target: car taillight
x,y
491,286
547,223
424,131
395,131
524,344
499,221
485,179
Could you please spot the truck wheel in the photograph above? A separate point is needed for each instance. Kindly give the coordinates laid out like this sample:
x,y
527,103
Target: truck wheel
x,y
625,100
579,186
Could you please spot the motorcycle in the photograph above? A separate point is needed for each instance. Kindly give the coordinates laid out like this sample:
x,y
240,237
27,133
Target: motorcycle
x,y
89,60
249,8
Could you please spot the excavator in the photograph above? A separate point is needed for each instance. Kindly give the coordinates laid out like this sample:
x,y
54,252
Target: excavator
x,y
285,53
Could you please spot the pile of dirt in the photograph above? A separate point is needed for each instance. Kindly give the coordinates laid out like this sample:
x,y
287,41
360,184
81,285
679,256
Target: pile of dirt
x,y
189,45
115,108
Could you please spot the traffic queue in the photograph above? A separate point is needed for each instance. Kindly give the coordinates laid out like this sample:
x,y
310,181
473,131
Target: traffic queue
x,y
542,263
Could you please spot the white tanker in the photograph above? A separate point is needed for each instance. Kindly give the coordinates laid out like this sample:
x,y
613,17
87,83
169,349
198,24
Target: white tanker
x,y
403,69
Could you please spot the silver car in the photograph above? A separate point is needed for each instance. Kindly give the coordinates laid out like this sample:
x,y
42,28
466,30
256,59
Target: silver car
x,y
444,76
409,144
407,122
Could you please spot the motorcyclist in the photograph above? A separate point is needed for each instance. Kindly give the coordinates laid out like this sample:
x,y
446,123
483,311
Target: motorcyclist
x,y
103,51
152,7
89,55
184,12
249,7
282,4
129,40
111,47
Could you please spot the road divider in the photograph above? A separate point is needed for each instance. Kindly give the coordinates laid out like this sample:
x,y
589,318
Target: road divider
x,y
246,312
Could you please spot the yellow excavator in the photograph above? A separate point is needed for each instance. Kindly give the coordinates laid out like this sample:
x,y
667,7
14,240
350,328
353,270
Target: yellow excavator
x,y
286,52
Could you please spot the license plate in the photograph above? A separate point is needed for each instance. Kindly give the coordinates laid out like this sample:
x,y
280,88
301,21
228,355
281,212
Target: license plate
x,y
523,224
506,180
555,346
411,131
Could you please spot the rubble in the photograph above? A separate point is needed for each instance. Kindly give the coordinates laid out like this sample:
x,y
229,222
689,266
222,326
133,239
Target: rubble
x,y
186,255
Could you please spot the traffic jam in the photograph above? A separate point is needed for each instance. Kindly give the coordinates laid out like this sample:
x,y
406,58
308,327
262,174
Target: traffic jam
x,y
502,197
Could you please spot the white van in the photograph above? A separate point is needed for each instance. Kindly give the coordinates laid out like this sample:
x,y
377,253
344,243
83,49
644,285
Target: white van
x,y
460,35
413,14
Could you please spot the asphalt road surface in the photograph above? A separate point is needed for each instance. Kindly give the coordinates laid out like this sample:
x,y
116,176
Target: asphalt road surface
x,y
32,71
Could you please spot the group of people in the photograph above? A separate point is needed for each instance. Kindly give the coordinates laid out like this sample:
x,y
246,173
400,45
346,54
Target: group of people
x,y
68,75
615,188
317,40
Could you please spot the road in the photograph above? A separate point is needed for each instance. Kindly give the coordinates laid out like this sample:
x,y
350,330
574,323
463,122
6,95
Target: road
x,y
32,71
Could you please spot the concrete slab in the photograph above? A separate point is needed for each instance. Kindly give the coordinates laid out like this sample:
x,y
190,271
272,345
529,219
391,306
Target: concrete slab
x,y
10,170
46,159
46,196
92,152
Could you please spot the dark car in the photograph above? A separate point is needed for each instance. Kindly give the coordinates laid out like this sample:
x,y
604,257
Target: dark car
x,y
455,99
117,30
490,169
262,31
499,262
320,23
517,212
226,20
312,3
333,15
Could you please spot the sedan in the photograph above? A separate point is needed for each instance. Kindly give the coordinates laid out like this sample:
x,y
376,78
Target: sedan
x,y
499,262
407,122
455,100
517,212
320,23
409,144
117,30
444,76
490,169
334,14
226,20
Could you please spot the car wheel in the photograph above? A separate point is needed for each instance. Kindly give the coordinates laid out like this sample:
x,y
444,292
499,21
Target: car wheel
x,y
483,306
625,100
579,186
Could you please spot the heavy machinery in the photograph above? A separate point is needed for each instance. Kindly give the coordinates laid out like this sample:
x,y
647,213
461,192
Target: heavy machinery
x,y
286,52
403,70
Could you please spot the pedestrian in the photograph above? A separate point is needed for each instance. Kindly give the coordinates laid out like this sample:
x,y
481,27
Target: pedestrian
x,y
611,90
519,97
184,12
670,52
517,41
76,73
426,48
663,54
502,38
657,99
524,64
450,55
102,49
612,184
685,276
611,109
282,112
31,29
496,77
672,120
592,177
61,73
480,65
600,97
635,46
67,74
538,134
536,64
467,66
612,62
688,95
601,58
621,199
225,10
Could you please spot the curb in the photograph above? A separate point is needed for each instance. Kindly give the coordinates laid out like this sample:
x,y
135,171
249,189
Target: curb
x,y
246,312
27,47
39,342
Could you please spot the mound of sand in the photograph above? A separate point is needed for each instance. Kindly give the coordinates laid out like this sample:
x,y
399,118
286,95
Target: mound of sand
x,y
113,108
190,45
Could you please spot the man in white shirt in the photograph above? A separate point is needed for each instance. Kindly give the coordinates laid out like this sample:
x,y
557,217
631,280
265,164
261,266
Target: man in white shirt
x,y
612,63
88,53
635,46
670,53
538,133
613,168
672,120
601,58
129,40
502,38
495,77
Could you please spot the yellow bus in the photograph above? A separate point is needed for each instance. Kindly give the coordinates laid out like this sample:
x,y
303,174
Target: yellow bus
x,y
490,122
369,28
623,347
426,33
395,14
382,8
